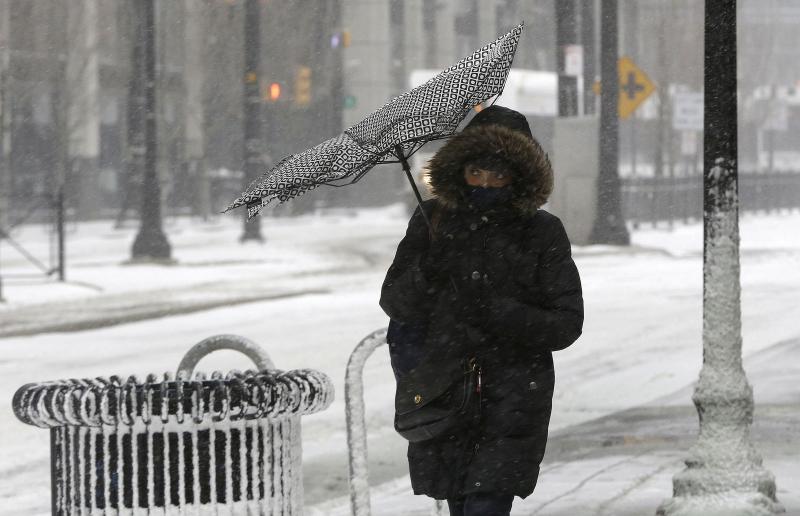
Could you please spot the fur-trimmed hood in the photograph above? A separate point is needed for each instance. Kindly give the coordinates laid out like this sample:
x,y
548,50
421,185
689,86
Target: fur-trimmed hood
x,y
532,174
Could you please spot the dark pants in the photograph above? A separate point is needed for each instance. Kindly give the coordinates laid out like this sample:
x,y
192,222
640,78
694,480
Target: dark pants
x,y
481,504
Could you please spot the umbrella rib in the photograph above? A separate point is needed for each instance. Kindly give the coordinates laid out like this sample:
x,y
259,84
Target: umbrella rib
x,y
394,133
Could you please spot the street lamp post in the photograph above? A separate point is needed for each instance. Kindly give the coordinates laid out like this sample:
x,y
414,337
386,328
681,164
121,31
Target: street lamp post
x,y
252,110
151,242
724,474
609,226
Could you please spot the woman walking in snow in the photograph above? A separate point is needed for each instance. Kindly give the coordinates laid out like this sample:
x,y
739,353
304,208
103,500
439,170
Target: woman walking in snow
x,y
493,279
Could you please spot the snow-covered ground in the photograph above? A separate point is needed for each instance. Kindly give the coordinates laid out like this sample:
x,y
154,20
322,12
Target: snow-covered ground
x,y
641,338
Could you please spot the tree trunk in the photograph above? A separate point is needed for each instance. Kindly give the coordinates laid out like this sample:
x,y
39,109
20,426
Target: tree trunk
x,y
724,475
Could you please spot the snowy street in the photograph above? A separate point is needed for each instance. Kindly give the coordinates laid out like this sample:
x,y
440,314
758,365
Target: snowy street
x,y
622,419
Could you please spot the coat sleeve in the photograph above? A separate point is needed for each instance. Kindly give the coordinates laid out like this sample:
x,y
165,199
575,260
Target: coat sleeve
x,y
406,295
557,321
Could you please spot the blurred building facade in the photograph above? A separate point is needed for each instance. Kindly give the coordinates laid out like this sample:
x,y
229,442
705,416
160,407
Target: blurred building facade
x,y
325,64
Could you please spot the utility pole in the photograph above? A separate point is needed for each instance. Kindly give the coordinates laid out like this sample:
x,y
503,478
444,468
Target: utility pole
x,y
151,242
566,39
609,226
252,110
588,42
724,474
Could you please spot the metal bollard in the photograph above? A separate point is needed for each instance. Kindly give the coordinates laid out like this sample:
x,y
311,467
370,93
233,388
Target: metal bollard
x,y
357,428
225,444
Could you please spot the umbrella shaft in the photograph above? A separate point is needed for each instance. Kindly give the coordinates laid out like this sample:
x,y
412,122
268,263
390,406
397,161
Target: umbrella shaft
x,y
407,170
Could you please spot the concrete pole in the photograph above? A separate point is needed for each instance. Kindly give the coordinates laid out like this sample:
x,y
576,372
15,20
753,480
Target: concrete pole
x,y
193,81
724,474
609,226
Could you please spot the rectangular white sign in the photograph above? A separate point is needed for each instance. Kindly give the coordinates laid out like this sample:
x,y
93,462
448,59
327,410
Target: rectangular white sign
x,y
687,112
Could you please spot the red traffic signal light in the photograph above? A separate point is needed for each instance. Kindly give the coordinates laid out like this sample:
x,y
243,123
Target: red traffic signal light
x,y
272,92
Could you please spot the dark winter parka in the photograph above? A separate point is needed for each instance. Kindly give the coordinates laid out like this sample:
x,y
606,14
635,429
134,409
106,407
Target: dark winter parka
x,y
496,283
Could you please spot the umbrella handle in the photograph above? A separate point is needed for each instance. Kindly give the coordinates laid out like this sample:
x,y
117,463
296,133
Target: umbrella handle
x,y
407,169
398,149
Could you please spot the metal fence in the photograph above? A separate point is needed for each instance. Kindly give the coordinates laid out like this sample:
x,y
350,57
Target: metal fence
x,y
680,198
51,208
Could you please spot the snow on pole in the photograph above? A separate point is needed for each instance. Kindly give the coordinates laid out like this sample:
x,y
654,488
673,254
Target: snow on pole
x,y
356,425
228,444
724,473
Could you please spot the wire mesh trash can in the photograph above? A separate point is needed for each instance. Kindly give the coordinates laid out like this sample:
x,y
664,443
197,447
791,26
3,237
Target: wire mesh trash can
x,y
227,444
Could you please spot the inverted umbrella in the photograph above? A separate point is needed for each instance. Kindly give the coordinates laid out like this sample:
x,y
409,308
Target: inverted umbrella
x,y
392,133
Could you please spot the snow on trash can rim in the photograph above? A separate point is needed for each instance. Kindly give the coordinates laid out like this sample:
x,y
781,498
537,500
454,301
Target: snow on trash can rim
x,y
114,401
192,443
233,396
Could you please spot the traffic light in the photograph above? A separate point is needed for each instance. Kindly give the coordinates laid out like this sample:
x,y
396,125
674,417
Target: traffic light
x,y
302,86
341,39
272,92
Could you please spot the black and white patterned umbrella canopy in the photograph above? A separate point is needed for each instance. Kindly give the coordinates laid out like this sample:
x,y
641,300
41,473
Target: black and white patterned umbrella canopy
x,y
428,112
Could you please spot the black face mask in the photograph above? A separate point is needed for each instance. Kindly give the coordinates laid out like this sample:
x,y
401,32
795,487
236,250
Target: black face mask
x,y
488,198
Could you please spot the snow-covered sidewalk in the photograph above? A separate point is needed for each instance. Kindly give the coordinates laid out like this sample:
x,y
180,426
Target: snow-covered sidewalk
x,y
622,464
641,342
